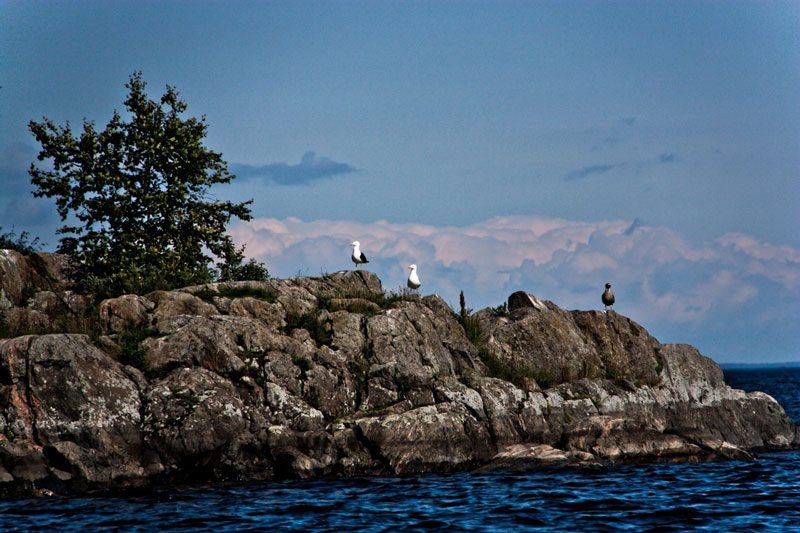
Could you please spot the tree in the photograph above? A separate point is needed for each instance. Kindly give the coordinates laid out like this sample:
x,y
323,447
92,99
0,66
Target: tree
x,y
137,195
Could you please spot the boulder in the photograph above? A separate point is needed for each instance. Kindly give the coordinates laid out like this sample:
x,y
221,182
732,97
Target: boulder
x,y
31,273
216,343
552,345
12,278
126,312
201,427
329,376
65,394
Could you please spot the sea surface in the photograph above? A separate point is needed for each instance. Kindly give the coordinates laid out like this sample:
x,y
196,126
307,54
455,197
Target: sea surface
x,y
759,495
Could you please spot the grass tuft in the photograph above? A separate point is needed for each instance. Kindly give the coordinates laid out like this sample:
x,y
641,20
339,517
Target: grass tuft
x,y
131,351
315,327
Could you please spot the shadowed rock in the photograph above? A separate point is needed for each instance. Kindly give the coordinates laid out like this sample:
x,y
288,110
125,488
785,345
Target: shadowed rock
x,y
329,376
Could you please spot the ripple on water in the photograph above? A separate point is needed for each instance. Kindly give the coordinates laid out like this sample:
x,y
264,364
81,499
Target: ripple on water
x,y
757,495
761,495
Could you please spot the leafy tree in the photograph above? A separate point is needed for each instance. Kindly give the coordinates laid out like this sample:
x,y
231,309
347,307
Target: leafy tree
x,y
137,195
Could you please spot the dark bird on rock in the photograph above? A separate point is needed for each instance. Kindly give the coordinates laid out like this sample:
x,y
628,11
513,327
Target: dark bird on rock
x,y
608,297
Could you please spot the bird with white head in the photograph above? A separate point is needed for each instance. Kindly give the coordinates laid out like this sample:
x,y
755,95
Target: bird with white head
x,y
358,256
413,279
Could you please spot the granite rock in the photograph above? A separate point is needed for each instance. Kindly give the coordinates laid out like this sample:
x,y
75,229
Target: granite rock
x,y
330,376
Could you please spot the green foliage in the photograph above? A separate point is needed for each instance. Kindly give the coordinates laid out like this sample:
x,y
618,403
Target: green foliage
x,y
62,320
516,374
83,321
10,241
384,300
387,300
138,192
501,310
470,323
131,351
259,293
359,368
303,363
315,327
28,294
351,305
509,371
472,327
496,368
544,379
250,271
207,295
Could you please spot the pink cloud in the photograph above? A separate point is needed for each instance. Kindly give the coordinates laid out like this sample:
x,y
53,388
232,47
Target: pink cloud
x,y
562,260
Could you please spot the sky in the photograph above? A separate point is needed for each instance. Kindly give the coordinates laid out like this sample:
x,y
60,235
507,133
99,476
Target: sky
x,y
549,147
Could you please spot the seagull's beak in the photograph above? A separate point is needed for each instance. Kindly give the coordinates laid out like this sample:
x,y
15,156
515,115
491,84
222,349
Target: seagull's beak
x,y
352,244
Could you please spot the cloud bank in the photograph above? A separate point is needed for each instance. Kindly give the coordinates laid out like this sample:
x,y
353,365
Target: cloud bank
x,y
735,293
311,168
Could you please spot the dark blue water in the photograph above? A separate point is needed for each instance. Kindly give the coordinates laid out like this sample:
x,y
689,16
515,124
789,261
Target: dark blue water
x,y
760,495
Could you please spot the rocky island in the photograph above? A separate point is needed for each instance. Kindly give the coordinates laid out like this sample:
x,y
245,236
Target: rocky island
x,y
332,376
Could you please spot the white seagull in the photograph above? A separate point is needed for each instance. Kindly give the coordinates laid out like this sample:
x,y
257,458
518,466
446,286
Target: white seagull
x,y
608,297
413,279
358,256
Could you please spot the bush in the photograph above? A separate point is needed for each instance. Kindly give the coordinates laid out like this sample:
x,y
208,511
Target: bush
x,y
10,241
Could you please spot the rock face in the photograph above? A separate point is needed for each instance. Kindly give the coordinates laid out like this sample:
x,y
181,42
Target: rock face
x,y
330,376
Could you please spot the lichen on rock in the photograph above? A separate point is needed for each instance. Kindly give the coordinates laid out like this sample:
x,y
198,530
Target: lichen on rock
x,y
331,376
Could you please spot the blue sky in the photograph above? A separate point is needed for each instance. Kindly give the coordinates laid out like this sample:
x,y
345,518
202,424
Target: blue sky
x,y
543,146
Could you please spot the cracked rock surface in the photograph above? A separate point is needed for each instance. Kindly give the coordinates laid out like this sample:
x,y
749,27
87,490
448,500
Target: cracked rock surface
x,y
329,376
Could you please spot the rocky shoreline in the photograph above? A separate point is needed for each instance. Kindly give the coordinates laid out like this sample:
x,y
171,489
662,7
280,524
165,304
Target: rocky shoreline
x,y
331,376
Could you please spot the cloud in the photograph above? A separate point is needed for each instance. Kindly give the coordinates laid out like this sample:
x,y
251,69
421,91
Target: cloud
x,y
311,168
666,158
607,139
679,290
589,171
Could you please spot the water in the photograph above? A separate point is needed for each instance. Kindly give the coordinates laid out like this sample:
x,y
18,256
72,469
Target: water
x,y
761,495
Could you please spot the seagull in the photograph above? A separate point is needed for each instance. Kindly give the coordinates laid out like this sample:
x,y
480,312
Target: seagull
x,y
358,256
608,297
413,279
